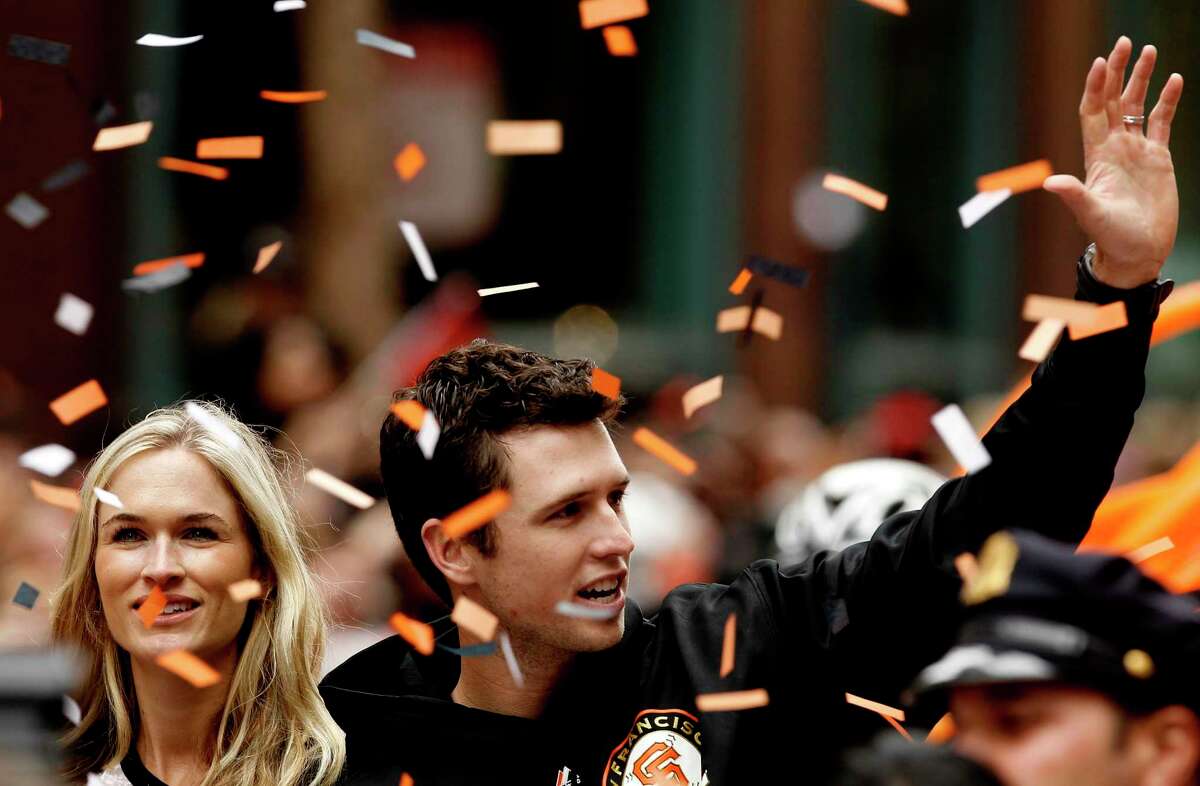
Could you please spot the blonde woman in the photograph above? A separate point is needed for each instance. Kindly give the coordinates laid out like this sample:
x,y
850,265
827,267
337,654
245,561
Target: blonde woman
x,y
201,506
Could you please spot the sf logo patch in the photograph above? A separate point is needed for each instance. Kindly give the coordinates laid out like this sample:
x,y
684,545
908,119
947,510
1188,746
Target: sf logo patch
x,y
662,749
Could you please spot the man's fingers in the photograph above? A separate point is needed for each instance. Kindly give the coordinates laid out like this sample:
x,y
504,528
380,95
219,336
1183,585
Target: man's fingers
x,y
1072,192
1092,118
1113,79
1159,127
1133,100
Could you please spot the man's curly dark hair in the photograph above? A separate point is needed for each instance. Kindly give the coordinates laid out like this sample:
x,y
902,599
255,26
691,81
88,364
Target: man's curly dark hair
x,y
478,392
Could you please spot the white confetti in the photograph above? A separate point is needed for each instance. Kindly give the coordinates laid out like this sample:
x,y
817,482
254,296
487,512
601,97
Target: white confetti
x,y
212,425
50,460
339,488
509,288
980,205
159,279
367,38
289,5
1151,549
427,437
511,660
71,711
73,314
702,395
154,39
26,211
413,236
568,609
108,498
955,430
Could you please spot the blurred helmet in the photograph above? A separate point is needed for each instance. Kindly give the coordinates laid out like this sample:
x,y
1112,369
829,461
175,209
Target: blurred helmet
x,y
847,504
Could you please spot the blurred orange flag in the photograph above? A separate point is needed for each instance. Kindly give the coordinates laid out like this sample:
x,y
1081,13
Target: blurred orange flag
x,y
155,265
598,13
855,190
606,384
664,451
1024,177
294,97
472,517
230,147
732,700
186,665
58,496
415,632
192,168
79,402
619,39
409,161
152,606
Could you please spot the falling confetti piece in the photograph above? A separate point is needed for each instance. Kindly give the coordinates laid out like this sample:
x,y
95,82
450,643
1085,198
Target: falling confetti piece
x,y
339,488
39,50
980,205
966,567
1041,340
289,5
476,514
152,606
230,147
1151,549
415,632
510,660
73,314
897,7
155,265
797,277
246,589
409,161
664,451
955,430
1039,307
524,137
193,168
606,384
417,245
428,435
510,288
767,323
620,42
154,39
58,496
67,175
377,41
732,701
874,706
167,277
702,395
294,96
410,413
108,498
26,596
1017,179
739,284
471,616
187,666
598,13
79,402
50,460
71,711
579,611
26,211
116,137
266,255
728,645
896,725
1112,316
855,190
213,425
732,319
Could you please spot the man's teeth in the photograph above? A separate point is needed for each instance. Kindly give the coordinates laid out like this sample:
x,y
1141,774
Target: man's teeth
x,y
600,590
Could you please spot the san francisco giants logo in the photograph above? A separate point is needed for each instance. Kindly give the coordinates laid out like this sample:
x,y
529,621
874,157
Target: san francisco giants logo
x,y
658,766
661,749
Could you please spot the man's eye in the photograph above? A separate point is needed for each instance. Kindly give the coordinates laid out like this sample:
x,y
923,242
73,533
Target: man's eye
x,y
570,510
617,499
199,533
126,535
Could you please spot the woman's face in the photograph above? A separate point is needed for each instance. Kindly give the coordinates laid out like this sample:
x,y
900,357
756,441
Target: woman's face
x,y
181,529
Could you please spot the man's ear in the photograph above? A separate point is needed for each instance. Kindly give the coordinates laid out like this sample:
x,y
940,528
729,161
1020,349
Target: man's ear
x,y
450,555
1171,739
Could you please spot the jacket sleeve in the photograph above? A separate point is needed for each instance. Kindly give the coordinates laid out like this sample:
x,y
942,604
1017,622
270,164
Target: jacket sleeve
x,y
885,608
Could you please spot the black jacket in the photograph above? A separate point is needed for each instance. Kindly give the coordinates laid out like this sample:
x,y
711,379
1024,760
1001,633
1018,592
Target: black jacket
x,y
863,621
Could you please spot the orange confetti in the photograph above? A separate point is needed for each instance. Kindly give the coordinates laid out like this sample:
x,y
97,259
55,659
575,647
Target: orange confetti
x,y
58,496
664,451
874,706
266,255
733,700
606,384
79,402
1024,177
739,284
155,265
409,161
152,607
116,137
598,13
896,725
942,731
1083,319
470,616
410,412
967,567
855,190
415,632
897,7
702,395
294,97
619,39
406,779
732,319
192,168
473,516
728,645
1041,340
524,137
230,147
244,590
1104,319
186,665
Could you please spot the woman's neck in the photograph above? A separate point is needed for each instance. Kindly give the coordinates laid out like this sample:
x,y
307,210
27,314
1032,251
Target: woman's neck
x,y
177,722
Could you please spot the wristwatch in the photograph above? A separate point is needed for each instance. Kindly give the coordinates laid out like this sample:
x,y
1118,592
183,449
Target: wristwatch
x,y
1148,296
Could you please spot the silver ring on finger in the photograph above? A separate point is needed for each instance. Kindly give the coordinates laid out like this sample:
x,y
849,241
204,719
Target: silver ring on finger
x,y
1133,120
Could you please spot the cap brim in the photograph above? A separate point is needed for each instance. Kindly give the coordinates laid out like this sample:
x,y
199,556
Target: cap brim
x,y
981,664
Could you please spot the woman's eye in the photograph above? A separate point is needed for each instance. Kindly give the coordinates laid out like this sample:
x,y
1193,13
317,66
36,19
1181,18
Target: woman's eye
x,y
200,533
126,535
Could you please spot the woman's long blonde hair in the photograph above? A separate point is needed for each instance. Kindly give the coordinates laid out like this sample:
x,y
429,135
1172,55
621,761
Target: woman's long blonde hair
x,y
274,728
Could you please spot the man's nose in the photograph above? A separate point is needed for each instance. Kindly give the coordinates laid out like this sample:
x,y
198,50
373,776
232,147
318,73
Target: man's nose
x,y
615,540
